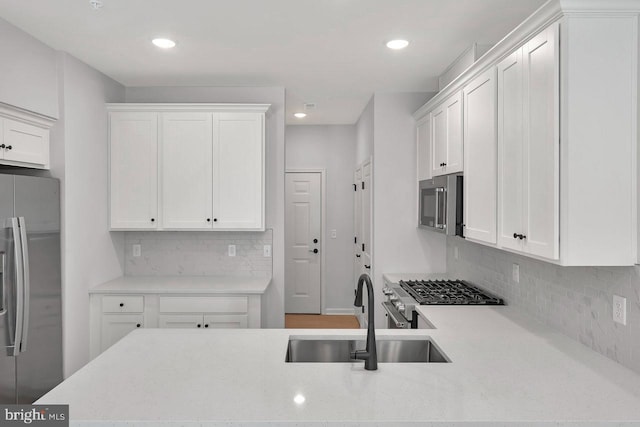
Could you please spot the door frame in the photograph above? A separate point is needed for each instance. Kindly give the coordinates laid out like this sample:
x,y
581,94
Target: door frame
x,y
323,219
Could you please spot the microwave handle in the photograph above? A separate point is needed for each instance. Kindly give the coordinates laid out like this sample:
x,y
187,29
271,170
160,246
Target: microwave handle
x,y
439,193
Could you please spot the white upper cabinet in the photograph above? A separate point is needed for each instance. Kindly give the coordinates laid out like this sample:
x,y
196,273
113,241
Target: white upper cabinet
x,y
24,138
423,146
567,132
446,136
187,166
133,161
529,147
238,159
480,158
187,170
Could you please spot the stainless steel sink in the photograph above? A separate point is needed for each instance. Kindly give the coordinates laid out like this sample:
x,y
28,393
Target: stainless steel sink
x,y
393,350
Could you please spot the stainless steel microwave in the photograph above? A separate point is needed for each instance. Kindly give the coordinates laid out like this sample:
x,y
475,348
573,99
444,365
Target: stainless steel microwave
x,y
440,200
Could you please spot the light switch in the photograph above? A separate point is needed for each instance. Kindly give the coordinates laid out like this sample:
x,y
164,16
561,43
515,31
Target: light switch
x,y
267,250
455,252
334,234
516,273
620,310
232,250
137,250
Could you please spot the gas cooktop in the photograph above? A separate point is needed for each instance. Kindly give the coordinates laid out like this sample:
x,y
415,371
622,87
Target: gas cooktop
x,y
448,292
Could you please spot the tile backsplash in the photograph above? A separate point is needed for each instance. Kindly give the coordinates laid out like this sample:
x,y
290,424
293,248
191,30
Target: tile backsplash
x,y
577,301
185,253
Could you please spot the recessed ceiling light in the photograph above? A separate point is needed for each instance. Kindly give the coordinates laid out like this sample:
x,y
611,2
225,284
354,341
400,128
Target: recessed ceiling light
x,y
299,399
164,43
397,44
300,115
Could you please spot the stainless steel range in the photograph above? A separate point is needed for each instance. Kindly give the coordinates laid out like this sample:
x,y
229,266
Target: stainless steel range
x,y
403,297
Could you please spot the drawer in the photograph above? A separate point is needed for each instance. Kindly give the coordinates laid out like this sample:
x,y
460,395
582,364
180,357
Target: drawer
x,y
122,304
203,304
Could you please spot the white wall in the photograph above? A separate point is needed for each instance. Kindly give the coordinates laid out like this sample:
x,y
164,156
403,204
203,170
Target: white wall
x,y
398,245
364,134
28,77
91,255
273,312
331,148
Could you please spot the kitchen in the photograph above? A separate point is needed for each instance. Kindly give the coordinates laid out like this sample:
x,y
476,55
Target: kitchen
x,y
571,305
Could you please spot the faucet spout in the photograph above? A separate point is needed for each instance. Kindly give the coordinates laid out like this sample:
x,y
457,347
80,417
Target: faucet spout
x,y
369,355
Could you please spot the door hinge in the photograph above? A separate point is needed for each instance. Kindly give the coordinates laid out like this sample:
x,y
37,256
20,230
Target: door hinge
x,y
363,247
363,185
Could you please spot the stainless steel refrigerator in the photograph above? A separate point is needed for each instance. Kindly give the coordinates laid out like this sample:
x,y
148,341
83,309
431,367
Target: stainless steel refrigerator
x,y
30,288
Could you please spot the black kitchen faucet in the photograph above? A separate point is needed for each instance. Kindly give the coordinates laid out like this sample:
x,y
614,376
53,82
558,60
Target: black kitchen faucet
x,y
369,354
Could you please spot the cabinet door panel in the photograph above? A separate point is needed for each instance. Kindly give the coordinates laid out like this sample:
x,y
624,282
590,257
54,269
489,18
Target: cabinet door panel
x,y
187,170
542,145
133,165
238,171
454,148
29,144
480,158
225,321
180,321
423,147
116,326
510,151
438,140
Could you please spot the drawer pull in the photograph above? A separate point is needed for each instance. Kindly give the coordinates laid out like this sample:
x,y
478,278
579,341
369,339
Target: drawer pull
x,y
206,325
199,325
138,325
121,304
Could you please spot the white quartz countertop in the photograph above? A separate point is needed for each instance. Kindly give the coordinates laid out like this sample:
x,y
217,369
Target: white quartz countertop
x,y
505,369
184,285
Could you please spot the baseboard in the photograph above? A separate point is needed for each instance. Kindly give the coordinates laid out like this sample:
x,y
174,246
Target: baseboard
x,y
342,311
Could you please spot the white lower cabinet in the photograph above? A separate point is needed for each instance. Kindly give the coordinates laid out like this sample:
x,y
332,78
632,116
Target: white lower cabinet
x,y
114,316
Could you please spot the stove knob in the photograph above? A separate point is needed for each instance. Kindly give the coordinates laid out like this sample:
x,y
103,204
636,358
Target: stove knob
x,y
400,306
387,291
393,297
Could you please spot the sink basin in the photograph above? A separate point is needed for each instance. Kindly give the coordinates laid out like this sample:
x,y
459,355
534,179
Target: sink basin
x,y
338,350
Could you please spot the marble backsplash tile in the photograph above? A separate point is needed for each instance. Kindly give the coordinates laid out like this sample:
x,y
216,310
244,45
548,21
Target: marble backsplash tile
x,y
578,301
178,253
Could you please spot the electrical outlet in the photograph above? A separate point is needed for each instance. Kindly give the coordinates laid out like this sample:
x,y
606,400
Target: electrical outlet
x,y
267,250
137,250
515,275
232,250
620,310
334,234
455,252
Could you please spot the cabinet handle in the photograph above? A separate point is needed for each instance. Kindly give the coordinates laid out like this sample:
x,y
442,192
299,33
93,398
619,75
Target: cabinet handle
x,y
2,146
9,147
138,325
199,325
515,235
444,164
367,266
121,304
522,237
153,220
357,255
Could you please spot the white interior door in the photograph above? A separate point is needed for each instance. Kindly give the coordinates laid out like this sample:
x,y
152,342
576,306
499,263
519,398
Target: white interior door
x,y
366,216
303,232
357,225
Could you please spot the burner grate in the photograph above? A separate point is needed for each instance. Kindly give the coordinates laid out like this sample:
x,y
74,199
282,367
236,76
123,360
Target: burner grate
x,y
448,292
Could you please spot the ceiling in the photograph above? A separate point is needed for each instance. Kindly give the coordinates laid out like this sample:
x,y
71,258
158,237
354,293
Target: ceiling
x,y
328,52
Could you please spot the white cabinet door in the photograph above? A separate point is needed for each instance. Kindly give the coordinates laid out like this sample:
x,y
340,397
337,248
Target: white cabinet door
x,y
116,326
181,321
438,140
541,144
187,178
423,147
510,152
367,181
225,321
357,225
480,158
453,161
133,161
238,158
25,143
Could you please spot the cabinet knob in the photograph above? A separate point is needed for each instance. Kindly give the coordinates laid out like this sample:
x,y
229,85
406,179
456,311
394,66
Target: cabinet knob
x,y
367,266
515,235
444,164
206,325
138,325
215,219
2,146
199,325
522,237
357,255
208,219
121,304
9,147
153,220
315,240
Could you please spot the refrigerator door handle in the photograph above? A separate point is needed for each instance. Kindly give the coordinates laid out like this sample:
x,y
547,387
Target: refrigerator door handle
x,y
26,283
17,246
3,285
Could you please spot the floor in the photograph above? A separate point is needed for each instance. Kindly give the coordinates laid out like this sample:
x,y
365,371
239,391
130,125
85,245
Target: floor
x,y
319,321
